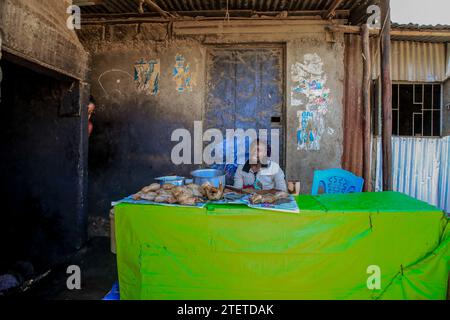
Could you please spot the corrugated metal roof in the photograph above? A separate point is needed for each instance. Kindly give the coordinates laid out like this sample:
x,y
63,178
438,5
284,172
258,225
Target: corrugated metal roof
x,y
132,6
427,33
413,26
413,61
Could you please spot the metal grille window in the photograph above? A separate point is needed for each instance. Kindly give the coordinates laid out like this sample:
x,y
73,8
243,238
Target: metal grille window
x,y
416,109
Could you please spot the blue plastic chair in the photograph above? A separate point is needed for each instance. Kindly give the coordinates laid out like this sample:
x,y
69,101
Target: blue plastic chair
x,y
336,181
114,294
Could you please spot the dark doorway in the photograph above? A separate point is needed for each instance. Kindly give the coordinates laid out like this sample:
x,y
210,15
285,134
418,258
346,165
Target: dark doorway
x,y
245,90
42,204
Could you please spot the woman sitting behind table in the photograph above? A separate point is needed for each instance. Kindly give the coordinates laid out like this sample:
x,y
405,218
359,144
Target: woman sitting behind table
x,y
259,172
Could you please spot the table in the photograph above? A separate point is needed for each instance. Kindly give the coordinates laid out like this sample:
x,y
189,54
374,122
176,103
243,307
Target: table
x,y
324,252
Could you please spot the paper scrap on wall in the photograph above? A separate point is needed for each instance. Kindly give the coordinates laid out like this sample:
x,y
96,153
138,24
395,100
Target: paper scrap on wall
x,y
146,76
310,130
309,91
182,74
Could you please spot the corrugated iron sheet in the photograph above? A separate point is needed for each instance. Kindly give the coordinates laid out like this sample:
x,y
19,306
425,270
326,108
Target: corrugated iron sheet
x,y
416,27
447,73
413,61
420,168
131,6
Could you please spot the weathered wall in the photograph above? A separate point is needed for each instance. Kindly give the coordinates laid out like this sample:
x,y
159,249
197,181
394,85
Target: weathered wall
x,y
131,140
320,109
44,145
36,29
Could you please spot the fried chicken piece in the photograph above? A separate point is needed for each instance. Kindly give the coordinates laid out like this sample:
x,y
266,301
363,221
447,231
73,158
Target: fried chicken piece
x,y
269,199
188,201
137,196
164,193
213,193
151,188
149,196
182,192
168,186
281,195
165,199
197,190
256,199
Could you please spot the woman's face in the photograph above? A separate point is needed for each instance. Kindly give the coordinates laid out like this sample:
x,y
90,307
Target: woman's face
x,y
258,154
91,108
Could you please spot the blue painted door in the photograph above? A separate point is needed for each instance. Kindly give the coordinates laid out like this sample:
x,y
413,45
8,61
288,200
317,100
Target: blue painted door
x,y
245,90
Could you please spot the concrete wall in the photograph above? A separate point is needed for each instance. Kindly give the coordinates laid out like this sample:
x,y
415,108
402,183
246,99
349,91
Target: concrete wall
x,y
301,163
131,140
131,143
37,31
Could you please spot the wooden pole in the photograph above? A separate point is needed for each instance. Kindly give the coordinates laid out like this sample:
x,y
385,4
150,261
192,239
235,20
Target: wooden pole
x,y
367,136
386,94
331,12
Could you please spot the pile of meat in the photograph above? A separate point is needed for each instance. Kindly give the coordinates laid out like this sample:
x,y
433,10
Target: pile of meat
x,y
190,194
268,198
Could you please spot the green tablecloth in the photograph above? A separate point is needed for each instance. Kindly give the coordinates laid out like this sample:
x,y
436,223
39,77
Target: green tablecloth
x,y
234,252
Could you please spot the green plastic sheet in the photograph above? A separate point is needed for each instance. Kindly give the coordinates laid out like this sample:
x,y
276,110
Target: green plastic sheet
x,y
235,252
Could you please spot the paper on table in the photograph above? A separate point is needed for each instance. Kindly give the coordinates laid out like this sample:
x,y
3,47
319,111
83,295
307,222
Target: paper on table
x,y
289,206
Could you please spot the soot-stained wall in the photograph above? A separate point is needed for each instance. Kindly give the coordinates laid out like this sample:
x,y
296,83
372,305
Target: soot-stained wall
x,y
42,207
131,143
140,102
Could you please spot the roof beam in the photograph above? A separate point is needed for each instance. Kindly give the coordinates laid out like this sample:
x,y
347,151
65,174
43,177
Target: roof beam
x,y
394,31
154,7
331,12
82,3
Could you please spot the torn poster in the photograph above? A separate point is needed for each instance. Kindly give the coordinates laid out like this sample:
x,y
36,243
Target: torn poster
x,y
310,130
146,76
182,74
310,92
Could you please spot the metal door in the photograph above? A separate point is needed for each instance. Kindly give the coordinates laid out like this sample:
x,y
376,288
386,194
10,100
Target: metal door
x,y
245,90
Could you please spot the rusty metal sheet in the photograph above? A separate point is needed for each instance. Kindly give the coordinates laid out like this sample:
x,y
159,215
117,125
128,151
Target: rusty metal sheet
x,y
131,6
352,158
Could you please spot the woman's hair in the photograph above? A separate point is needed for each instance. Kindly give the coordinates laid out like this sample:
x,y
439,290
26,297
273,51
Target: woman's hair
x,y
91,100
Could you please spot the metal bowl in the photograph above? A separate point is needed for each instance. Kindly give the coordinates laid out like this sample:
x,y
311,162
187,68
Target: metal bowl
x,y
175,180
213,176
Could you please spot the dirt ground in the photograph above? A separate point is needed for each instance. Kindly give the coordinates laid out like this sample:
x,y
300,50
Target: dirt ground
x,y
98,274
